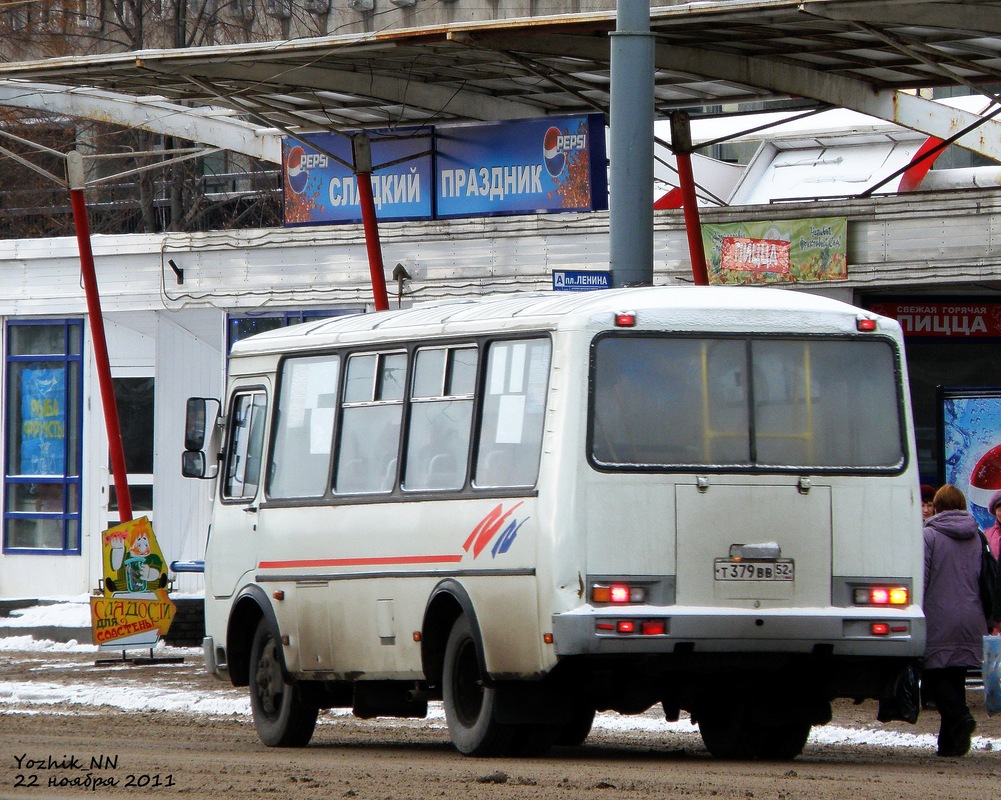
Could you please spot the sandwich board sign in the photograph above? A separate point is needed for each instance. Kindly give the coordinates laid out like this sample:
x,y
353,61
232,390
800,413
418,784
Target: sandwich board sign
x,y
133,611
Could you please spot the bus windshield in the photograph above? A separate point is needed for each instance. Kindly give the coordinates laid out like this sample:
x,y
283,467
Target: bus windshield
x,y
756,403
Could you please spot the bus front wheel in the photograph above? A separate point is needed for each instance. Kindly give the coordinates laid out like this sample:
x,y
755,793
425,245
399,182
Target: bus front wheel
x,y
470,704
281,716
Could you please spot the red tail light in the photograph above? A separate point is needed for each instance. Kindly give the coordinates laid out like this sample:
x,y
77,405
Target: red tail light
x,y
881,596
617,593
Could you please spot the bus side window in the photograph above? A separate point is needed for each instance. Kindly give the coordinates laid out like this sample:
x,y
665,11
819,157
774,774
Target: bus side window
x,y
245,444
300,456
371,417
441,413
514,403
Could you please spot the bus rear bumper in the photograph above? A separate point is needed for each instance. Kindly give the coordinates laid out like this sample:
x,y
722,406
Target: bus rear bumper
x,y
675,629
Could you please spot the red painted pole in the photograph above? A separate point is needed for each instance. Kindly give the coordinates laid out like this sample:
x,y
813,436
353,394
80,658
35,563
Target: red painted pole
x,y
361,149
693,224
102,362
681,143
372,245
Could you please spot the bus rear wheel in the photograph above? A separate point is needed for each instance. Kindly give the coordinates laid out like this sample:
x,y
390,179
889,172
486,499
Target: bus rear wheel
x,y
470,704
575,732
735,734
782,742
281,716
727,733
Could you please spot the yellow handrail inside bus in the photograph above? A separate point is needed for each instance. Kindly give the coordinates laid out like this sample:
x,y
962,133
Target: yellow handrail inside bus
x,y
802,393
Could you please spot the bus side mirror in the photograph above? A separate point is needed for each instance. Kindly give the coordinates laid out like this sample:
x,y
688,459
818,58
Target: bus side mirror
x,y
199,428
193,464
194,423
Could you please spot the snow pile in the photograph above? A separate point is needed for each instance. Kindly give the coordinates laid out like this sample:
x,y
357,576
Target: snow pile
x,y
71,612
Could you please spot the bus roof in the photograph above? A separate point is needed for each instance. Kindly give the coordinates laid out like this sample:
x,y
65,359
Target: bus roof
x,y
678,307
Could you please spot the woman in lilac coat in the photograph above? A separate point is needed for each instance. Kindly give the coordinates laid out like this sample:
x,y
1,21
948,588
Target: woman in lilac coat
x,y
954,615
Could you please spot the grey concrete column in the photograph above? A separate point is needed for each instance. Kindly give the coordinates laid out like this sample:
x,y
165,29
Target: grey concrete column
x,y
631,146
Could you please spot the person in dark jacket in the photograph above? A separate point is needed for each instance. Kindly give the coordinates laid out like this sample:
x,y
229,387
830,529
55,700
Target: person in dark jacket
x,y
954,615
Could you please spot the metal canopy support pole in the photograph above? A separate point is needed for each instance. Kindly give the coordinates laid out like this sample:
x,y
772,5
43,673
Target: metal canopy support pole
x,y
681,144
75,173
630,217
361,151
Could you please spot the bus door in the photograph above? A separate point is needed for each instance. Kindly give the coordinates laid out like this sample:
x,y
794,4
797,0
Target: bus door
x,y
232,545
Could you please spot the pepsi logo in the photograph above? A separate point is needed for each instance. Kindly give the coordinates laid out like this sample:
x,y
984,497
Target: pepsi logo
x,y
299,163
296,171
555,158
556,145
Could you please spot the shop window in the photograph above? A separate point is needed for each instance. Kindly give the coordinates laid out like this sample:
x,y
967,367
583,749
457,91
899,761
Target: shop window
x,y
44,384
134,401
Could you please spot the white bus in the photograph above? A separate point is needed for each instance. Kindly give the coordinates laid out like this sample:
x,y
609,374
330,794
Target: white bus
x,y
538,506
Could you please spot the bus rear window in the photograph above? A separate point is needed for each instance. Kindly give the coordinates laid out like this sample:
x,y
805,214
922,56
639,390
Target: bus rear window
x,y
760,403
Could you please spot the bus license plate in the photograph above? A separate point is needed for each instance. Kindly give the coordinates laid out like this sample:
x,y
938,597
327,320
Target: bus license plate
x,y
781,570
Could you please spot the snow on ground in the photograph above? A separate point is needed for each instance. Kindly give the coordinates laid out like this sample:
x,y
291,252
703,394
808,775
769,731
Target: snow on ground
x,y
171,694
73,612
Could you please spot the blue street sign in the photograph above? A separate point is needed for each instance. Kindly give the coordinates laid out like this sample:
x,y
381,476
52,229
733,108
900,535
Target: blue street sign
x,y
568,280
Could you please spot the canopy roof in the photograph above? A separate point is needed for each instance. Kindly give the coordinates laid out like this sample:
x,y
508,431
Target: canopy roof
x,y
850,54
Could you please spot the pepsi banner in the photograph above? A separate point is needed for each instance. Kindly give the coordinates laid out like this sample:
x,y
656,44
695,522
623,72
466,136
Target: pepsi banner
x,y
319,186
970,441
524,167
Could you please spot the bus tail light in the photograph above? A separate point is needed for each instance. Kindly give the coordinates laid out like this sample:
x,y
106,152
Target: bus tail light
x,y
865,324
632,627
881,596
617,593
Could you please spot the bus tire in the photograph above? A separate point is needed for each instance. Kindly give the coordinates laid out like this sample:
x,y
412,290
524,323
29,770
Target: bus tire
x,y
576,731
782,742
281,716
533,741
470,705
727,733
